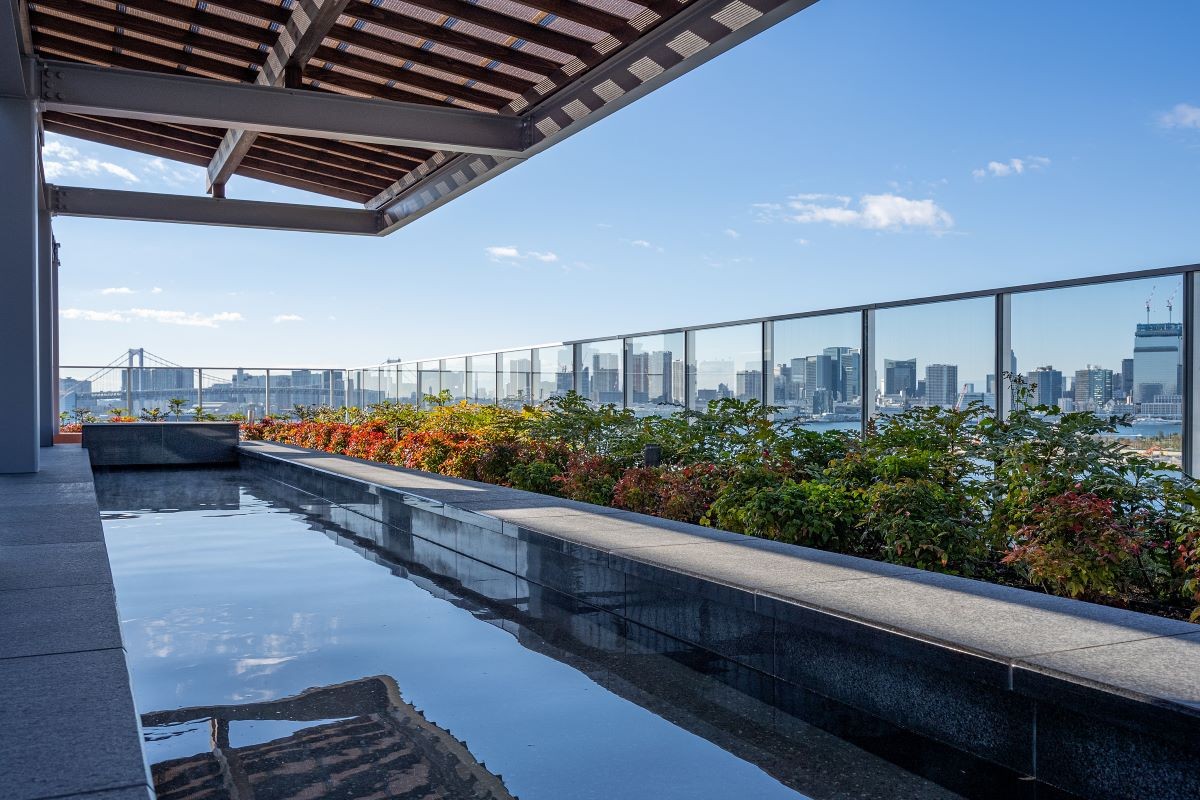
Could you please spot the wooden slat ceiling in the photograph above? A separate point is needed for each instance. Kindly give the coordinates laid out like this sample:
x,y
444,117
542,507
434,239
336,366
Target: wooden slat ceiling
x,y
485,55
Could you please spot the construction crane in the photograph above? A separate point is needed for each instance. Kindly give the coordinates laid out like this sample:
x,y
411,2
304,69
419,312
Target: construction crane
x,y
961,396
1148,299
1171,307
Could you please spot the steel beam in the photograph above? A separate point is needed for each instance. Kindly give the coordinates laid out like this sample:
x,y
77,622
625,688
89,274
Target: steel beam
x,y
134,94
13,42
70,201
47,373
310,22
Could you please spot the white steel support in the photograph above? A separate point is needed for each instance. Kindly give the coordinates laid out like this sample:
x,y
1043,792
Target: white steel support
x,y
19,331
768,363
185,100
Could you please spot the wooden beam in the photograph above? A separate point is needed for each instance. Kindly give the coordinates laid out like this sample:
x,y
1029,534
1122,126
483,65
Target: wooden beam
x,y
471,70
182,36
192,15
484,48
585,15
48,27
306,28
502,23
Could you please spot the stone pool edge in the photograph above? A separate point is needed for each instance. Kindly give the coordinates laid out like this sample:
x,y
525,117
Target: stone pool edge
x,y
69,729
1066,714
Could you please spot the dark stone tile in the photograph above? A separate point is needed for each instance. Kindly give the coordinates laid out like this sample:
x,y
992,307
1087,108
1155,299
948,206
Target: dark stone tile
x,y
61,619
987,618
33,566
123,445
732,631
492,583
851,668
585,579
199,443
1150,685
85,694
436,527
20,494
488,546
1094,760
52,523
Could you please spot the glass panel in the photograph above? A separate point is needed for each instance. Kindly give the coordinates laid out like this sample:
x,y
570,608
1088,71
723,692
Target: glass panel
x,y
481,379
554,372
409,389
515,371
726,362
298,387
454,377
817,375
91,394
937,354
601,374
429,377
233,392
656,372
1113,348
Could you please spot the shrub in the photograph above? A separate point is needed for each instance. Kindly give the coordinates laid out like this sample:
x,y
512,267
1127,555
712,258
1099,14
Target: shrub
x,y
923,524
588,479
759,502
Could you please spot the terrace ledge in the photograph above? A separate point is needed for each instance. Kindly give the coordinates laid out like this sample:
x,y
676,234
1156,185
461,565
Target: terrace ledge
x,y
1049,647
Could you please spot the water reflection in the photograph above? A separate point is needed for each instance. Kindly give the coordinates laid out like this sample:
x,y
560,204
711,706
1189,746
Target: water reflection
x,y
355,739
239,595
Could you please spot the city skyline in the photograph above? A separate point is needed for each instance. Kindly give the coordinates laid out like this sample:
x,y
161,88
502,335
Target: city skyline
x,y
939,165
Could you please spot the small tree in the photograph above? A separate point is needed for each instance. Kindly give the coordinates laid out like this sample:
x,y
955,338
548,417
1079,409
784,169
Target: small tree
x,y
176,405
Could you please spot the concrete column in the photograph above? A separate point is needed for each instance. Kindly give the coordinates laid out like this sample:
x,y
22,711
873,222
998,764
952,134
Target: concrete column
x,y
19,434
47,373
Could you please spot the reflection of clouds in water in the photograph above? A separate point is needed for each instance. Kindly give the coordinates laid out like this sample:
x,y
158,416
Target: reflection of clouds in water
x,y
195,632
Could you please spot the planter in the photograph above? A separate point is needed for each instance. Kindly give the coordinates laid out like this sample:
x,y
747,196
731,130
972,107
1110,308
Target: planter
x,y
152,443
68,438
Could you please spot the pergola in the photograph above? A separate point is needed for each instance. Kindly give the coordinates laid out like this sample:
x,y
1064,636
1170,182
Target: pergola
x,y
396,105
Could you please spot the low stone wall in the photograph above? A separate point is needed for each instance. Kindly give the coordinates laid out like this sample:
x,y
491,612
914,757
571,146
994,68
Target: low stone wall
x,y
1094,701
161,443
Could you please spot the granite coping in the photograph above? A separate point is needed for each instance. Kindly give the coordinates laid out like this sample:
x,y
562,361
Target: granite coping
x,y
1050,647
68,727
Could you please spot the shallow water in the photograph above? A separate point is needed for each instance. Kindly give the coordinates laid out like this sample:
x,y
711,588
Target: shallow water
x,y
275,654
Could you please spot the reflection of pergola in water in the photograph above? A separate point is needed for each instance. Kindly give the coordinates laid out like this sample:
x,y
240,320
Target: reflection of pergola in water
x,y
378,747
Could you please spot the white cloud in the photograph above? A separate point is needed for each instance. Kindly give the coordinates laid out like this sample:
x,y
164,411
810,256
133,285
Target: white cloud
x,y
511,253
287,318
156,290
164,316
88,315
732,234
1183,115
117,290
1014,166
61,160
173,174
872,211
645,245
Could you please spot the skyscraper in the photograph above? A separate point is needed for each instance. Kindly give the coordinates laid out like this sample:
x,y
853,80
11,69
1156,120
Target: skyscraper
x,y
900,376
941,384
1047,385
1093,386
1157,360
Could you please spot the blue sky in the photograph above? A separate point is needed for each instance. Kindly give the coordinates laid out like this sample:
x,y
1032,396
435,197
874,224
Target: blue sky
x,y
863,150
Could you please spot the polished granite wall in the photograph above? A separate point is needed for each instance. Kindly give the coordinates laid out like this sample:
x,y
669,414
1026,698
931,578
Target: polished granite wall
x,y
161,443
930,705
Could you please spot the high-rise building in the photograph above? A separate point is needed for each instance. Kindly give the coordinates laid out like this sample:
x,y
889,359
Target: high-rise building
x,y
821,372
1093,386
1126,378
1157,360
1046,384
941,384
900,376
605,385
750,384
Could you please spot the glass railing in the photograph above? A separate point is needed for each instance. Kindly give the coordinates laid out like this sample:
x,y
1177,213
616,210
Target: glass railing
x,y
115,393
1116,344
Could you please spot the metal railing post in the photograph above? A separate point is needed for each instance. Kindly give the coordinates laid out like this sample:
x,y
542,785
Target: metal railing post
x,y
199,390
767,390
267,394
1190,389
867,378
1001,385
128,390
